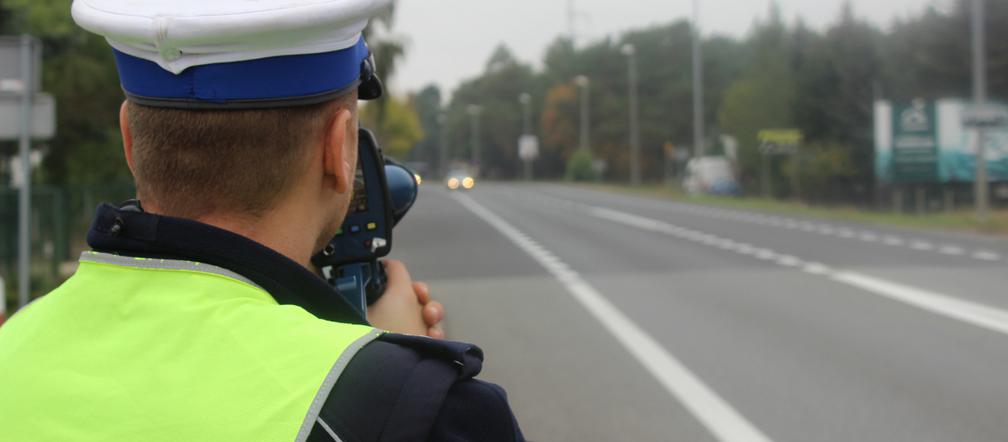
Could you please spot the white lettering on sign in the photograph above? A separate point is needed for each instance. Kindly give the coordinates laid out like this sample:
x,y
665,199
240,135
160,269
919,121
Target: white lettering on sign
x,y
915,119
11,85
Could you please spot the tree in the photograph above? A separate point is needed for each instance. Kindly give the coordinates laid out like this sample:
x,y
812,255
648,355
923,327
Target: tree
x,y
427,104
496,91
852,51
930,56
399,130
763,97
387,51
559,126
79,71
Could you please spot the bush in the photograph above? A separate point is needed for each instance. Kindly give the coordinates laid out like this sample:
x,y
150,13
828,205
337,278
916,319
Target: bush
x,y
823,171
579,166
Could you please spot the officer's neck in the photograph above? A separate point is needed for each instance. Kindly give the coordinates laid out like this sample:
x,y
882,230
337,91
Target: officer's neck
x,y
275,230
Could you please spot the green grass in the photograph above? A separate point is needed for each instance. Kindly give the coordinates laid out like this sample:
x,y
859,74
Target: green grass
x,y
959,220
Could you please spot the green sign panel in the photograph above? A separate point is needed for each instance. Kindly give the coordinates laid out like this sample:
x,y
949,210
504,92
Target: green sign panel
x,y
915,143
908,136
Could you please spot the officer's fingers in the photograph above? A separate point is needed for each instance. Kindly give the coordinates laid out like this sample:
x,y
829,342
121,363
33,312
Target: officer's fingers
x,y
422,292
433,313
436,332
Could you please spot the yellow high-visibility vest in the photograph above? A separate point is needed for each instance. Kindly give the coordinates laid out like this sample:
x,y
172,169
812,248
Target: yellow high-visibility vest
x,y
132,349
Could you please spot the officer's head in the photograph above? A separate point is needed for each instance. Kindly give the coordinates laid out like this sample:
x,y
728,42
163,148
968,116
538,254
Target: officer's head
x,y
234,107
204,163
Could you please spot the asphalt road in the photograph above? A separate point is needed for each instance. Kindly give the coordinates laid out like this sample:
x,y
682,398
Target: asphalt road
x,y
612,317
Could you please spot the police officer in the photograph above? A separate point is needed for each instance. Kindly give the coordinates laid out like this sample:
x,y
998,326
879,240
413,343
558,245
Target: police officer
x,y
198,315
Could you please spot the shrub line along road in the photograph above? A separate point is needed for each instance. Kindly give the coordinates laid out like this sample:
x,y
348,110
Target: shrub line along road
x,y
617,317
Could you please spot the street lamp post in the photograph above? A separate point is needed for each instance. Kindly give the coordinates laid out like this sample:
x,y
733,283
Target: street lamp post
x,y
443,148
635,171
698,105
24,150
474,120
979,99
584,83
526,101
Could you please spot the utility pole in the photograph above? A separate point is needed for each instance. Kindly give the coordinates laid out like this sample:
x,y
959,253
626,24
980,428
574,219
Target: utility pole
x,y
570,22
698,105
635,169
474,119
584,83
979,100
24,148
526,101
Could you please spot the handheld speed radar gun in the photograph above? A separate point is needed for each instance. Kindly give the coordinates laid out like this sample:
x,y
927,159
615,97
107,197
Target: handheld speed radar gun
x,y
383,192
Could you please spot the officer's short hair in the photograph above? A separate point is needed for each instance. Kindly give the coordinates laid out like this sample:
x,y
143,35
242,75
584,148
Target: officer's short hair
x,y
195,162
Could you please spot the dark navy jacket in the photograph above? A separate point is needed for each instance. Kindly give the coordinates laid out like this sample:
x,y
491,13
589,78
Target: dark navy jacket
x,y
397,388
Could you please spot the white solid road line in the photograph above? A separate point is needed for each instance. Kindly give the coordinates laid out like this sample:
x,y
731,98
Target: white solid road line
x,y
717,416
977,314
970,312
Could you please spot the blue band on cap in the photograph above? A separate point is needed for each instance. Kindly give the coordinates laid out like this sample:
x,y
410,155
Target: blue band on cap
x,y
283,78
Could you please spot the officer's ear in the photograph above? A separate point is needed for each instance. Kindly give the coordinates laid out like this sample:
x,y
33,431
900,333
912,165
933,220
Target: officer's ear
x,y
339,152
126,135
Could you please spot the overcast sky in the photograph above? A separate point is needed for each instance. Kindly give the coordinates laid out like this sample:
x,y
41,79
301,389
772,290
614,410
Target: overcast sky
x,y
450,40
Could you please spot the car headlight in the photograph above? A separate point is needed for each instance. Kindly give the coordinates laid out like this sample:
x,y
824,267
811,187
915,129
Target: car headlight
x,y
419,180
468,182
453,183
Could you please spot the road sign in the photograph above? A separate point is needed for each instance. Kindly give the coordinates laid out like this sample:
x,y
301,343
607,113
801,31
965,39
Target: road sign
x,y
528,147
781,136
11,81
780,141
987,115
769,148
915,142
43,117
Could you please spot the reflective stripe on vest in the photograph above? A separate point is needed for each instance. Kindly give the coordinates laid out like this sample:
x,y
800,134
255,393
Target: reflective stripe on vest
x,y
163,350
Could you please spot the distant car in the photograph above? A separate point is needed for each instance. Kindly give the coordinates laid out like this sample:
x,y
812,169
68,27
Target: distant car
x,y
710,175
460,180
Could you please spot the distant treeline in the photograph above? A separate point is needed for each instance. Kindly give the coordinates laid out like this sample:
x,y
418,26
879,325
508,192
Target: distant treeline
x,y
782,75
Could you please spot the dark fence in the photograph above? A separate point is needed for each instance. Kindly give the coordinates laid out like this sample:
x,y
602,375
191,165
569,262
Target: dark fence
x,y
59,220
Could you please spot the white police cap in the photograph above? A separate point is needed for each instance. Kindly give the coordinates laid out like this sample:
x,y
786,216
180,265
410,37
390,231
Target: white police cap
x,y
236,53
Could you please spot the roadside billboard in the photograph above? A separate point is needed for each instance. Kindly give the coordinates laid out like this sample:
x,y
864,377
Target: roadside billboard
x,y
927,142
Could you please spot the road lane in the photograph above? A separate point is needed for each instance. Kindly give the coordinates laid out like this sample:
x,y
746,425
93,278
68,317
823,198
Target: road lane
x,y
844,247
803,358
568,379
723,421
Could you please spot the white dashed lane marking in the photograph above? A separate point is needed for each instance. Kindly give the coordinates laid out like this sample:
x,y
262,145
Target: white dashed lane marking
x,y
865,236
893,241
987,256
952,250
970,312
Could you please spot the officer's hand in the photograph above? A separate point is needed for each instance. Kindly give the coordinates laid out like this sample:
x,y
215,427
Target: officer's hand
x,y
433,311
404,308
